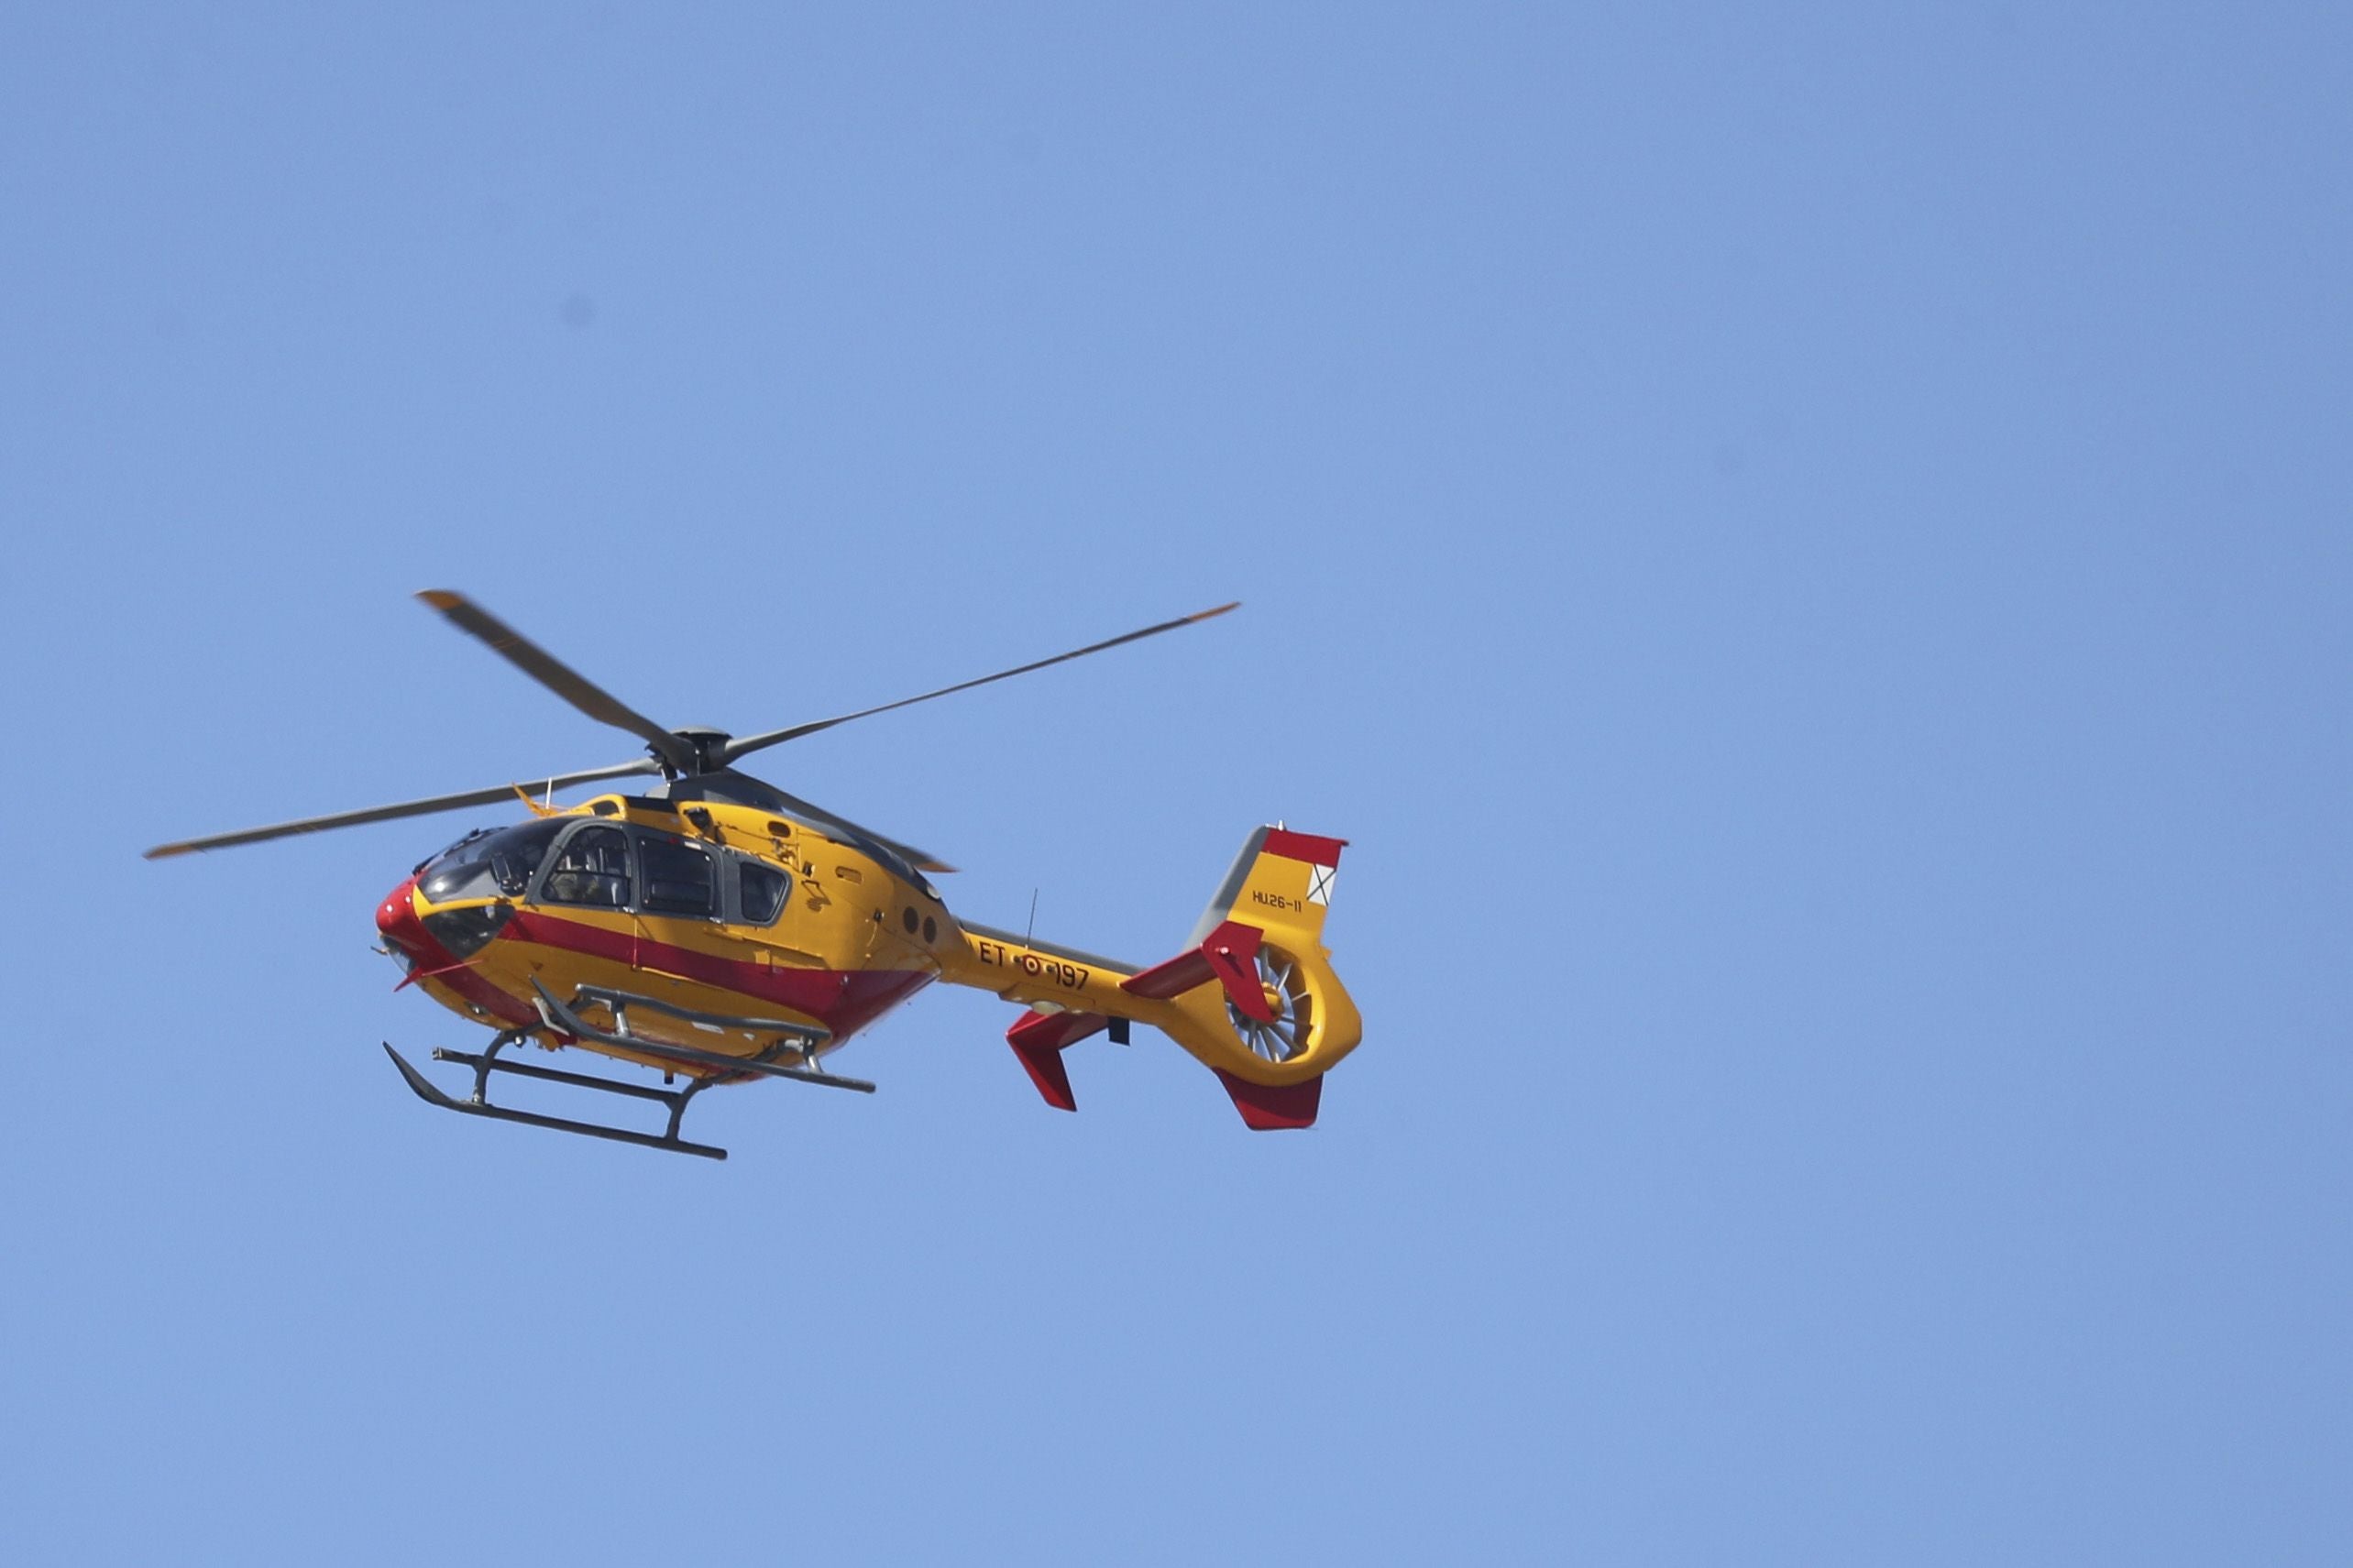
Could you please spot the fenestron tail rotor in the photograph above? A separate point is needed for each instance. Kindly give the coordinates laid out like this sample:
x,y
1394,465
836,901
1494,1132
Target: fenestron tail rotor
x,y
1283,1036
677,754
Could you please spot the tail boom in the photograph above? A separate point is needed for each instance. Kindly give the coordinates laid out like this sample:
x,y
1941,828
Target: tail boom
x,y
1253,997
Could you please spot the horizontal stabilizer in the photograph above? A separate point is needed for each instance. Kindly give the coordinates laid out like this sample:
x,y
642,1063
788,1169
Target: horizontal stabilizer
x,y
1269,1108
1229,955
1039,1038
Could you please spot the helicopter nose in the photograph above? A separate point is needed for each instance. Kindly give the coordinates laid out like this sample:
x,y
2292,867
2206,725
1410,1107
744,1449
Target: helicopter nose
x,y
396,919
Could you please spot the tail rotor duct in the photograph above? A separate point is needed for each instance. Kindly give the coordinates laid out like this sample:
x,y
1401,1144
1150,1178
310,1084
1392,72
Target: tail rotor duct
x,y
1286,1036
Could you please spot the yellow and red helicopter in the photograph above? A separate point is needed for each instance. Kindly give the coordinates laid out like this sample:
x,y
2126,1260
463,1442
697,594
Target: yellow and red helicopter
x,y
719,930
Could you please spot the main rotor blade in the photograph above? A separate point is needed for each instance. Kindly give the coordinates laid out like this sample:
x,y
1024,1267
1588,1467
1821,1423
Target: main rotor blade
x,y
751,743
557,676
388,813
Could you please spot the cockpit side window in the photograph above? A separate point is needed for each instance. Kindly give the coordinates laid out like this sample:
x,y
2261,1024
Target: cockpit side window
x,y
763,889
515,854
591,869
679,878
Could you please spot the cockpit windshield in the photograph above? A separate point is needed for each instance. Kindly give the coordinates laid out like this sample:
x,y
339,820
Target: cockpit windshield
x,y
490,865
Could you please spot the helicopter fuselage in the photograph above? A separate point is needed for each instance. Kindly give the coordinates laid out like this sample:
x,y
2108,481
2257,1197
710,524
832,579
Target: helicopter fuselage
x,y
712,909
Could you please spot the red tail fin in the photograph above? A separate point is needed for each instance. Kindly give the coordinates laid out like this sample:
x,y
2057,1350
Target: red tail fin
x,y
1269,1108
1037,1038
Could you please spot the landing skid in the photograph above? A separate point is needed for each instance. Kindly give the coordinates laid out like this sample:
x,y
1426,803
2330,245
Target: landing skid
x,y
488,1063
705,1068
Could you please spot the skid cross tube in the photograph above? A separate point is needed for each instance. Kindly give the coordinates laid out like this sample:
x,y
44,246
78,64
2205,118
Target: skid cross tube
x,y
565,1021
488,1063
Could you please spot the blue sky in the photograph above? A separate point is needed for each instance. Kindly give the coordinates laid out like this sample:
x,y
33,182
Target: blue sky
x,y
1806,551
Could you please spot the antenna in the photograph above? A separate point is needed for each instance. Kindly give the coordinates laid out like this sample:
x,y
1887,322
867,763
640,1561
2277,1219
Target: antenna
x,y
1033,918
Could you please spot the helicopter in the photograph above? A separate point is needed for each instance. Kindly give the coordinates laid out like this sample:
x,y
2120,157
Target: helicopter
x,y
715,929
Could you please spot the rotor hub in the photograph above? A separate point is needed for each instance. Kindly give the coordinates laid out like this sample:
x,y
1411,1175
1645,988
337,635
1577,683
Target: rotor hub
x,y
708,744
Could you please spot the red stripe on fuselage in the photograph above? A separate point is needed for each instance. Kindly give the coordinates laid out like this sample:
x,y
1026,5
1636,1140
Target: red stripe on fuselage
x,y
844,1001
